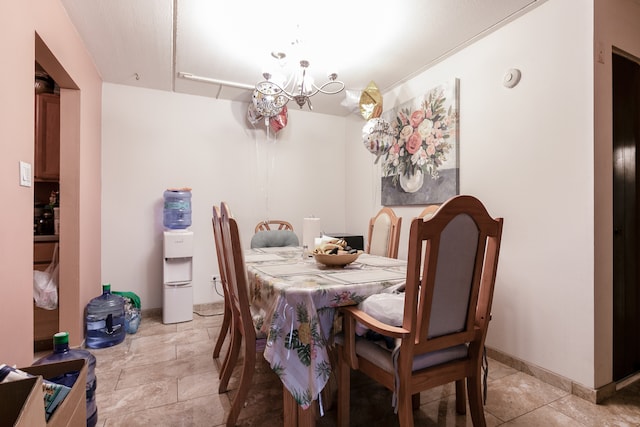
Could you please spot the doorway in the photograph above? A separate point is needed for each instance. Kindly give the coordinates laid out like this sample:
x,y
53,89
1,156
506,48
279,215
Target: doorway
x,y
626,210
46,196
71,299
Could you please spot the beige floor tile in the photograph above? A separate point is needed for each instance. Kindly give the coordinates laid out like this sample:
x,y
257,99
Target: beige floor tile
x,y
148,343
214,332
122,356
544,416
188,350
159,354
499,370
165,375
110,361
197,385
443,413
200,322
152,325
515,395
611,413
172,369
203,411
146,396
437,393
107,379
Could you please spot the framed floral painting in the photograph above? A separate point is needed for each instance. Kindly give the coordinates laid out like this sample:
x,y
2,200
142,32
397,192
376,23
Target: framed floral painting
x,y
421,165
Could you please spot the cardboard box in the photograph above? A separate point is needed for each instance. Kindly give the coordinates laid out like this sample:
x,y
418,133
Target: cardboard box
x,y
73,410
22,403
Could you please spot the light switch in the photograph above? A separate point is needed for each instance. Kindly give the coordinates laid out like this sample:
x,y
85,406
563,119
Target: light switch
x,y
25,174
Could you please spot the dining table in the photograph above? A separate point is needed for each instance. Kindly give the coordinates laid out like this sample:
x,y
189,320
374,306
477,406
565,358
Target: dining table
x,y
294,301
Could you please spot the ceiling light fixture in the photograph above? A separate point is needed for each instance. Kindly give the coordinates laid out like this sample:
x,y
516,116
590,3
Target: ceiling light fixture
x,y
299,87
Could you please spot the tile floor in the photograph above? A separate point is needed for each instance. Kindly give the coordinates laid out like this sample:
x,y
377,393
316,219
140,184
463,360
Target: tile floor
x,y
164,375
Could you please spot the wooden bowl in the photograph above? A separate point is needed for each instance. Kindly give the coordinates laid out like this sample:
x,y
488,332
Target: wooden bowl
x,y
337,260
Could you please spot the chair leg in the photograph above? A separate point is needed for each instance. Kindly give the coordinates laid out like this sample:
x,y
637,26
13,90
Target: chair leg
x,y
230,360
405,406
248,368
475,400
224,330
461,397
344,389
227,358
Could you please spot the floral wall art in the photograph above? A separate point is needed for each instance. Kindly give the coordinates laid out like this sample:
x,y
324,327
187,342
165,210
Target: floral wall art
x,y
421,164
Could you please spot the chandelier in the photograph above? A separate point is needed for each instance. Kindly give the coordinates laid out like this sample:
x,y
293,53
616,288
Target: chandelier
x,y
299,87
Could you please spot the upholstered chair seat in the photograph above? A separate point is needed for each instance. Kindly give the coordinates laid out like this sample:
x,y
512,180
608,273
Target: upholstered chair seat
x,y
274,238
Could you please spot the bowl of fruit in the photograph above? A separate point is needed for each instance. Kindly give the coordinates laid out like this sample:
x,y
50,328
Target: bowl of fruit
x,y
335,253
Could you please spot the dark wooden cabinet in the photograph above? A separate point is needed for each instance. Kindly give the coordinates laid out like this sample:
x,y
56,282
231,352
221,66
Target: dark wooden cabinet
x,y
47,137
42,254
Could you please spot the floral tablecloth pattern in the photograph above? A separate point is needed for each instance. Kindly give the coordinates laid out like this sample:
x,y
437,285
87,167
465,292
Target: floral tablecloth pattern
x,y
298,299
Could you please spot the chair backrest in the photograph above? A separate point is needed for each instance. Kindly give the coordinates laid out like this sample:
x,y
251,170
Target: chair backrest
x,y
273,224
428,211
384,233
236,273
217,238
451,271
274,238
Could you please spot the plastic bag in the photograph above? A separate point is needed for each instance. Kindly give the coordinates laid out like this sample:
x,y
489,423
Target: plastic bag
x,y
132,315
385,307
45,284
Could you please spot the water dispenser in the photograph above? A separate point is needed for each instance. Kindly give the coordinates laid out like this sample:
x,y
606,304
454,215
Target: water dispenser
x,y
177,290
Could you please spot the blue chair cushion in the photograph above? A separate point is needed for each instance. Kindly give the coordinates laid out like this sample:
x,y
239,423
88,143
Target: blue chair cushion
x,y
274,238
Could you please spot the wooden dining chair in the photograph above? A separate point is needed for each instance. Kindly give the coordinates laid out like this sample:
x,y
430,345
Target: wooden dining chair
x,y
243,330
447,308
273,224
428,211
384,233
274,238
225,330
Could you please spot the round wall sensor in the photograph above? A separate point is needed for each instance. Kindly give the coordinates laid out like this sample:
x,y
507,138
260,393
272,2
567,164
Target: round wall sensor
x,y
511,77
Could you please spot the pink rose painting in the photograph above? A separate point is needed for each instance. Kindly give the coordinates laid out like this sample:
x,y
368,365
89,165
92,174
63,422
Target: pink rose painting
x,y
421,166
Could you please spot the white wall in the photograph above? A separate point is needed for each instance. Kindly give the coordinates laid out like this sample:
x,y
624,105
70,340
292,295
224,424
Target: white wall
x,y
153,140
527,152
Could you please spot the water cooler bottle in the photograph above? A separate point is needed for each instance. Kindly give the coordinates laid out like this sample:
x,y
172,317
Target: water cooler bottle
x,y
177,290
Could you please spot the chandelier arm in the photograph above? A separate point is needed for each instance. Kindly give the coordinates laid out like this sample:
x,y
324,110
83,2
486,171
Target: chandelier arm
x,y
280,91
282,96
321,89
290,96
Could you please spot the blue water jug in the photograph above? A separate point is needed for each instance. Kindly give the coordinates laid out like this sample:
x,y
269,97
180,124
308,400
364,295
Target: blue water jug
x,y
177,208
62,352
104,324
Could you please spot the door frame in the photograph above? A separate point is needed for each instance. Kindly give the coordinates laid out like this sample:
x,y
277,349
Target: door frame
x,y
69,273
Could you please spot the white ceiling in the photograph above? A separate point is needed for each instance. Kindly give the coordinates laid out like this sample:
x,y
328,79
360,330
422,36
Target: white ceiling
x,y
148,43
